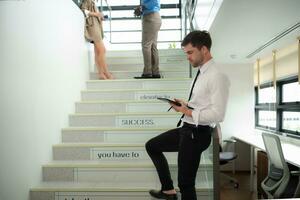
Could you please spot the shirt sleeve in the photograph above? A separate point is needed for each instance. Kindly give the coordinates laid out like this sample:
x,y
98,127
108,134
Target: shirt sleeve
x,y
215,112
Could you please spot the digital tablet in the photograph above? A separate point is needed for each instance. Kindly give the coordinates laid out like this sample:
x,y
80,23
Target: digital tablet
x,y
172,102
169,101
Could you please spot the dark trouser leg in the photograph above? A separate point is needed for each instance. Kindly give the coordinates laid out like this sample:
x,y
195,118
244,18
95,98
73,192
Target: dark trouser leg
x,y
191,146
165,142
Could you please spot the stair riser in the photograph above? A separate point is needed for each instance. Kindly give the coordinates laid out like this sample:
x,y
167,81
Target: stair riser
x,y
123,121
113,154
128,75
130,154
131,95
109,136
119,177
140,66
120,107
153,84
206,194
138,60
138,52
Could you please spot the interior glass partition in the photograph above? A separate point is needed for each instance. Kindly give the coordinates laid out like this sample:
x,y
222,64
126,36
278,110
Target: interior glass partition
x,y
123,28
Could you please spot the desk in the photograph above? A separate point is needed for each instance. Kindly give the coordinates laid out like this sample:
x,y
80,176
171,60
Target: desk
x,y
290,151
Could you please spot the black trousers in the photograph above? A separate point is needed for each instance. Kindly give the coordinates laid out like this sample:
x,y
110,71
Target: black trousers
x,y
189,141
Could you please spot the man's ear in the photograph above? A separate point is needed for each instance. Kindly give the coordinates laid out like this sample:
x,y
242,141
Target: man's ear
x,y
205,49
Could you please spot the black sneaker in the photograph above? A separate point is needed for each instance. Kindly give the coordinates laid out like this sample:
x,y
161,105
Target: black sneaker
x,y
143,76
160,195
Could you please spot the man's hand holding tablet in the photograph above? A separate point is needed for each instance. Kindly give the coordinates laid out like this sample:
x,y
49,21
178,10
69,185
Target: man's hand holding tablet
x,y
170,101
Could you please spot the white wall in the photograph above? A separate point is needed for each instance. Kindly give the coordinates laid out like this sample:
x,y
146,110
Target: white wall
x,y
43,67
240,109
239,117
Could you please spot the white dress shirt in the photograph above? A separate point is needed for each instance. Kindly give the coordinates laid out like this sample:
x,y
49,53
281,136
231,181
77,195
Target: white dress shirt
x,y
209,97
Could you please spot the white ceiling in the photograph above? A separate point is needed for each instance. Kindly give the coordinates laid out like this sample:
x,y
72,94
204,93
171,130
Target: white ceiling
x,y
242,26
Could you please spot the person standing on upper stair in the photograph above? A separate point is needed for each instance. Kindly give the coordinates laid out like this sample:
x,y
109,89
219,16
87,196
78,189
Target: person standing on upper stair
x,y
151,23
93,32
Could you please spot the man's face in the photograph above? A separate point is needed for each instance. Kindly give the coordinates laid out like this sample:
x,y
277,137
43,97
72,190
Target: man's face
x,y
194,55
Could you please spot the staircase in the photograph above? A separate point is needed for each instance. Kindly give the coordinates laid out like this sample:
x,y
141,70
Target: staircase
x,y
102,154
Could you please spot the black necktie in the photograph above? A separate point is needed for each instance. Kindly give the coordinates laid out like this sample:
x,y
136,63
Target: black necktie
x,y
191,92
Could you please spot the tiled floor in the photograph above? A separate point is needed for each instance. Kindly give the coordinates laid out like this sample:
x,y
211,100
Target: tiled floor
x,y
228,192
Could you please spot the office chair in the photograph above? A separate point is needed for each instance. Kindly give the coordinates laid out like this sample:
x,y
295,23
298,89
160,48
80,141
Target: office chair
x,y
227,156
278,179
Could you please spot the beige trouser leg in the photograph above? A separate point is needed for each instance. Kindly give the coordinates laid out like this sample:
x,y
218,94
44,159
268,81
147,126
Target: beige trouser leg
x,y
151,24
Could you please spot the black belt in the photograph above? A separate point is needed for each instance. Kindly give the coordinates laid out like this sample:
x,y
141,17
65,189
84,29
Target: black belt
x,y
194,126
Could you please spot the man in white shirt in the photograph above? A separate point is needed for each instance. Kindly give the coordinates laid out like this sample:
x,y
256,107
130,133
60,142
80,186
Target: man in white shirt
x,y
205,108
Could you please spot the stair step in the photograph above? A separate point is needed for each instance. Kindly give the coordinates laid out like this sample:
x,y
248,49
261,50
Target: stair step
x,y
95,191
178,60
110,134
124,119
116,175
138,53
133,94
164,84
103,152
109,152
139,67
131,74
120,106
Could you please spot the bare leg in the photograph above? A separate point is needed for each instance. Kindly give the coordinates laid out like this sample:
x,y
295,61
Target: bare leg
x,y
100,61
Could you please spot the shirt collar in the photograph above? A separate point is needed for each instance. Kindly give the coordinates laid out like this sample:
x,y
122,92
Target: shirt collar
x,y
206,65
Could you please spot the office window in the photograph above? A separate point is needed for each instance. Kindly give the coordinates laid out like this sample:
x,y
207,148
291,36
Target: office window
x,y
291,92
278,109
291,121
267,118
267,95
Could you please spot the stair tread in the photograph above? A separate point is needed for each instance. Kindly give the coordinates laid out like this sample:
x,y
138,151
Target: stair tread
x,y
163,70
112,164
156,101
136,90
126,113
141,80
100,128
99,145
95,187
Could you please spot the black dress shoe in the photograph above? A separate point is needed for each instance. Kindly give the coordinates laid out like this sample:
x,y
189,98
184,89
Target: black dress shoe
x,y
144,76
156,76
160,195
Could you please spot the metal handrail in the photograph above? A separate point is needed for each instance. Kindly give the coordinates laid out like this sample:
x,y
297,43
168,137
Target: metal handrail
x,y
190,8
77,2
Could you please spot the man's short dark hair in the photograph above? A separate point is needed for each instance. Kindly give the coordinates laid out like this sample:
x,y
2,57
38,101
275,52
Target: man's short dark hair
x,y
197,39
